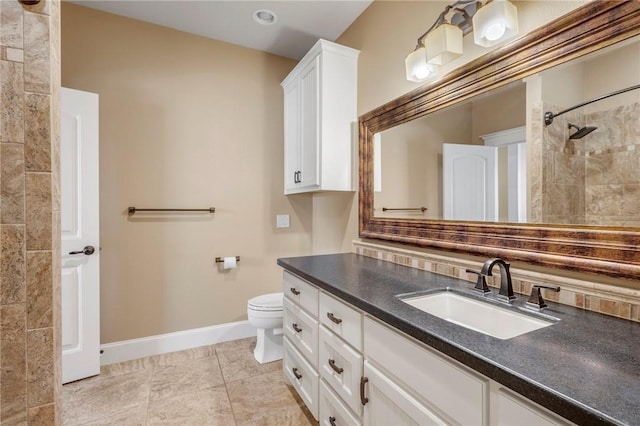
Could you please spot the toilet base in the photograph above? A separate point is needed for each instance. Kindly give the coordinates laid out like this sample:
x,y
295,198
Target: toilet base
x,y
268,345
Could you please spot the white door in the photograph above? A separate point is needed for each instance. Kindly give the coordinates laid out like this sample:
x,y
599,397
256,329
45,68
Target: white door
x,y
389,404
310,126
470,180
80,235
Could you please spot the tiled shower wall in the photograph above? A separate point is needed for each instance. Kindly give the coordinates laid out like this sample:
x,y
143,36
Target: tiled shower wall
x,y
612,158
594,180
29,213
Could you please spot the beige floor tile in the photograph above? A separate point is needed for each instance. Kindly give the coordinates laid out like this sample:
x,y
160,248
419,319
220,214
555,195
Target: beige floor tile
x,y
175,358
208,406
212,385
120,368
196,374
253,398
236,345
240,364
287,416
107,400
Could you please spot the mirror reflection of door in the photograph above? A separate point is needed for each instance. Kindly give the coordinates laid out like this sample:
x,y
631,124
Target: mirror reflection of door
x,y
470,182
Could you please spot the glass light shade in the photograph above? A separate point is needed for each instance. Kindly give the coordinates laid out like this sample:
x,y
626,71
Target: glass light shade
x,y
495,22
444,44
417,68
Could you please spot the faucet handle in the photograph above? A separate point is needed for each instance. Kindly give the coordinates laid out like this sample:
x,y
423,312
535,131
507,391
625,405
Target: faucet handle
x,y
535,300
481,284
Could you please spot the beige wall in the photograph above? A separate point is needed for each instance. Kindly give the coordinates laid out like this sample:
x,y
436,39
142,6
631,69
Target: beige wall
x,y
29,213
174,109
185,122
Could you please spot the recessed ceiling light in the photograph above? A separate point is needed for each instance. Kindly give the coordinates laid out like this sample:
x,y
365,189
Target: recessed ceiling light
x,y
264,17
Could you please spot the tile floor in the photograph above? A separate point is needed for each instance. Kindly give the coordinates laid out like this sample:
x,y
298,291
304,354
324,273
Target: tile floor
x,y
213,385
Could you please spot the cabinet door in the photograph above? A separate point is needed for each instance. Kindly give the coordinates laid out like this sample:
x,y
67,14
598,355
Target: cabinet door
x,y
333,411
302,330
389,404
309,177
301,375
341,366
516,411
291,136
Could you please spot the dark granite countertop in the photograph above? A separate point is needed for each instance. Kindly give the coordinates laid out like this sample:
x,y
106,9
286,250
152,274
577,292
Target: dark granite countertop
x,y
586,367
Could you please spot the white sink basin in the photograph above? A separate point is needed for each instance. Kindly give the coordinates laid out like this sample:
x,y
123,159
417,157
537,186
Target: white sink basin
x,y
476,315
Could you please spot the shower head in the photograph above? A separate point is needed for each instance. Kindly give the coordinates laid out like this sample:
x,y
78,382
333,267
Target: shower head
x,y
581,132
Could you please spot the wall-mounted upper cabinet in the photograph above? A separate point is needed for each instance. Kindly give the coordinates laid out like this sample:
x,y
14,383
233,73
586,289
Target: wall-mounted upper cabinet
x,y
320,107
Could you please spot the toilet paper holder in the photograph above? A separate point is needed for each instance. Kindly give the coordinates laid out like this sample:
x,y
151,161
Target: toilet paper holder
x,y
221,259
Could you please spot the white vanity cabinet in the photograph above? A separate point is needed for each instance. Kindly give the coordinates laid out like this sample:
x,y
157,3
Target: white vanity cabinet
x,y
320,107
350,368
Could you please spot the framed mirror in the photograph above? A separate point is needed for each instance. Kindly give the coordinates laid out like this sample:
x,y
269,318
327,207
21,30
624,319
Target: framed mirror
x,y
521,227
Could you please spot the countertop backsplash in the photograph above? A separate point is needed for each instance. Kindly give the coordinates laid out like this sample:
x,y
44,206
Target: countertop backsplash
x,y
597,297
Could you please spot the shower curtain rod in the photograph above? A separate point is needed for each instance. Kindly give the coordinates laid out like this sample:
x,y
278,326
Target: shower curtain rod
x,y
549,116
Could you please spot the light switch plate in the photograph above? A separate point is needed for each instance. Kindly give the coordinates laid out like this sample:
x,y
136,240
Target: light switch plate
x,y
282,221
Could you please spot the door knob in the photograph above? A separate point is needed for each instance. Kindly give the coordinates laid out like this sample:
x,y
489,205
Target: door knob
x,y
88,250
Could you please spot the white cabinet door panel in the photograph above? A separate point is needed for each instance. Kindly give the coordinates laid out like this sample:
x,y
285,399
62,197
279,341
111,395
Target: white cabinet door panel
x,y
302,376
389,404
341,366
302,331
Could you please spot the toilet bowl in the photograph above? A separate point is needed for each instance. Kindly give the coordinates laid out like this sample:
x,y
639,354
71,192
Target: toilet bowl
x,y
265,313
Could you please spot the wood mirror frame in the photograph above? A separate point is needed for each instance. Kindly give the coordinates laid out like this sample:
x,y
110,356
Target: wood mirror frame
x,y
613,251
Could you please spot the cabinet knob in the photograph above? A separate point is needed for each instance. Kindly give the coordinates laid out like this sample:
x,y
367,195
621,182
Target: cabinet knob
x,y
332,421
295,291
296,328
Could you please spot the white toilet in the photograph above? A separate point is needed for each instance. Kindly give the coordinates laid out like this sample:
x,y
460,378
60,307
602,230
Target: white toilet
x,y
265,313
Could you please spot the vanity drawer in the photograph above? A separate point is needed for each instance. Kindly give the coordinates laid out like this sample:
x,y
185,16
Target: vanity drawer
x,y
341,366
332,408
457,392
302,376
301,292
341,319
302,331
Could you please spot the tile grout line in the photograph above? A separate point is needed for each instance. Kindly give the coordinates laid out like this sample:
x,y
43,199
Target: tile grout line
x,y
153,370
226,389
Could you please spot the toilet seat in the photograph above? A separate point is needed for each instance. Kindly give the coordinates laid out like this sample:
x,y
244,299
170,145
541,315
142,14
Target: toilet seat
x,y
271,302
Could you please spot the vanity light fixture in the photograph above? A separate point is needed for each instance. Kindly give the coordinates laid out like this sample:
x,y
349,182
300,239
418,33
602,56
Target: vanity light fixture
x,y
492,22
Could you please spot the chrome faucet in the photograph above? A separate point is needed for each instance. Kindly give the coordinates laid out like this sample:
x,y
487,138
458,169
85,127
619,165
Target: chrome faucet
x,y
506,287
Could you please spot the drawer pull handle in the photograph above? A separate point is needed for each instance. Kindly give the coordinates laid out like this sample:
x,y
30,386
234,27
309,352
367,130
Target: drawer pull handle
x,y
295,291
295,373
332,364
333,318
296,328
332,421
363,399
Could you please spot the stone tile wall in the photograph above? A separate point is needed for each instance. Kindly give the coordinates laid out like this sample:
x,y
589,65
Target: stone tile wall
x,y
593,296
590,181
29,213
612,159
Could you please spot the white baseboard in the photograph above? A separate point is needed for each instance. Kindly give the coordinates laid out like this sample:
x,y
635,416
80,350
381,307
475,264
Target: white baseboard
x,y
171,342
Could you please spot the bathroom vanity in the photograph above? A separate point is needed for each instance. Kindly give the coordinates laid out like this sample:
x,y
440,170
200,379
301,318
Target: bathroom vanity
x,y
357,354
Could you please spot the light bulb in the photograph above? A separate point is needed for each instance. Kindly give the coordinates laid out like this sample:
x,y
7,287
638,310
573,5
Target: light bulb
x,y
495,30
494,22
422,72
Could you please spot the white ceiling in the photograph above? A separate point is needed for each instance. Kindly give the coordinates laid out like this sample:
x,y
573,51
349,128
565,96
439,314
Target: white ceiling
x,y
298,26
